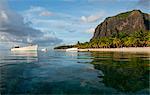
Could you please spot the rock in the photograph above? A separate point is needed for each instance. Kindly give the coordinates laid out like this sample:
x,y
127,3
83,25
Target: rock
x,y
127,22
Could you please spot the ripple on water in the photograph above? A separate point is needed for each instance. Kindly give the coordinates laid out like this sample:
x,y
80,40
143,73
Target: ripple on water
x,y
75,72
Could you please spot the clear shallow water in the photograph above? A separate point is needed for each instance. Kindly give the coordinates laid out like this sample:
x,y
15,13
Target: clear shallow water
x,y
57,72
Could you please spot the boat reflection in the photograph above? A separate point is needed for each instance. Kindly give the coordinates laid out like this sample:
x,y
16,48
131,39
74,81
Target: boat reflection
x,y
25,53
26,56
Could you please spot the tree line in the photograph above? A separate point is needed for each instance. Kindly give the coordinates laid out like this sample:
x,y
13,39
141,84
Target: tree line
x,y
121,39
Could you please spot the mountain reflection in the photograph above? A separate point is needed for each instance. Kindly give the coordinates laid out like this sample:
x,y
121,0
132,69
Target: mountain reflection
x,y
123,71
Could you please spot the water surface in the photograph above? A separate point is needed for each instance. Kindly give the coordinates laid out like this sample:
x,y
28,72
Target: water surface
x,y
58,72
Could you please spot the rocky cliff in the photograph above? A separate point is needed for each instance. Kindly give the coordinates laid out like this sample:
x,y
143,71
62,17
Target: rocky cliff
x,y
127,22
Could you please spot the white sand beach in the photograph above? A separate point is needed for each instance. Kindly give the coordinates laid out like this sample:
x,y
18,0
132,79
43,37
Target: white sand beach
x,y
124,49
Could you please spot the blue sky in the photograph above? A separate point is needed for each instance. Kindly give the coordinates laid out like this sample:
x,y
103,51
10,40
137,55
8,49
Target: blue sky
x,y
55,22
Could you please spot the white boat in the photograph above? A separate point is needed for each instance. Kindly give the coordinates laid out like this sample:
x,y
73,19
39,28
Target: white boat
x,y
44,49
26,48
72,49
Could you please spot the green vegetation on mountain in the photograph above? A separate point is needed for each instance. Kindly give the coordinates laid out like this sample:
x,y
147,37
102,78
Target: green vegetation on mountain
x,y
127,22
128,29
64,47
136,39
123,15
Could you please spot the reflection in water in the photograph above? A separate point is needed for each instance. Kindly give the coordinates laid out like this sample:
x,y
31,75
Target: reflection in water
x,y
53,72
18,57
123,71
13,68
25,53
29,56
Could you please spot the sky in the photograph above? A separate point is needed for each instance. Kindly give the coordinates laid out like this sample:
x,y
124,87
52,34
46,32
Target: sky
x,y
50,23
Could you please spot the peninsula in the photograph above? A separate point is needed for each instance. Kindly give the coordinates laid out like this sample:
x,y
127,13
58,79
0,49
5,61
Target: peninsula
x,y
128,30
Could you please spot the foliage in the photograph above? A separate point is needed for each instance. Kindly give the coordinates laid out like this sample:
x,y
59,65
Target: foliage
x,y
136,39
64,47
123,15
123,71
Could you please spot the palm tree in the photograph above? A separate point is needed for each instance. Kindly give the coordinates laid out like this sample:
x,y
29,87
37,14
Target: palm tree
x,y
117,42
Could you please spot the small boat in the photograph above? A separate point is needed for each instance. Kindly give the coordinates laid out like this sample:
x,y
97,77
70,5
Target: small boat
x,y
72,49
26,48
44,49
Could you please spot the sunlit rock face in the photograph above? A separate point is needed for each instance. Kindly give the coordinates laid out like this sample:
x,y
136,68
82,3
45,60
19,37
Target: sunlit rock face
x,y
127,22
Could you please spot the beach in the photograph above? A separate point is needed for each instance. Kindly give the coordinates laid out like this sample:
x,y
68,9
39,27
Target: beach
x,y
124,49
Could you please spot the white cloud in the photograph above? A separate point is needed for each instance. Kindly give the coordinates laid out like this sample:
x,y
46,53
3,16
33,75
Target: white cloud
x,y
90,30
14,29
62,24
46,13
13,23
37,10
57,22
92,18
47,41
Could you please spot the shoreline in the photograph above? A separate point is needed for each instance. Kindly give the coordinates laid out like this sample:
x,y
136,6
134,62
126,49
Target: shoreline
x,y
124,49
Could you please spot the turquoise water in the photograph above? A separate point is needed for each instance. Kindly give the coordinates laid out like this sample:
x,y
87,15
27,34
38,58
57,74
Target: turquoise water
x,y
58,72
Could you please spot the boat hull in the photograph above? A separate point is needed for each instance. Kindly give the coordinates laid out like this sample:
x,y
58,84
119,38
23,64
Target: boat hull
x,y
28,48
72,49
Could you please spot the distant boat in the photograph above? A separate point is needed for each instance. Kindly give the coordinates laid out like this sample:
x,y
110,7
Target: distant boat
x,y
44,49
26,48
72,49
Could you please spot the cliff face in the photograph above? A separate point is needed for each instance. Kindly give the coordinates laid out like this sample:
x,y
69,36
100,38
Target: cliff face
x,y
127,22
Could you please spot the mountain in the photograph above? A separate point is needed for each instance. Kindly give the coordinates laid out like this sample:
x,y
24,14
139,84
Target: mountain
x,y
128,29
126,22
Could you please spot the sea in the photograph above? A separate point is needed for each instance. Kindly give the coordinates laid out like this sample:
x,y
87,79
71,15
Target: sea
x,y
74,73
